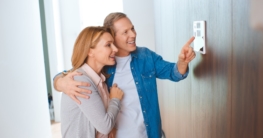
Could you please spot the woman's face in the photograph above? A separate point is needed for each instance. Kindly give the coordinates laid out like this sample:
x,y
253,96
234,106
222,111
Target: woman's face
x,y
104,52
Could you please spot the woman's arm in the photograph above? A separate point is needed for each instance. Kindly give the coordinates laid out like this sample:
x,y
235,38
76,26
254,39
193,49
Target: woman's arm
x,y
103,120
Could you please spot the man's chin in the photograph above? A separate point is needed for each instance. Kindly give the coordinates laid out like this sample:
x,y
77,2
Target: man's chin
x,y
132,48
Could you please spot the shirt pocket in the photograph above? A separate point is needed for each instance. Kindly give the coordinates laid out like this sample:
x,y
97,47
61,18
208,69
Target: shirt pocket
x,y
149,80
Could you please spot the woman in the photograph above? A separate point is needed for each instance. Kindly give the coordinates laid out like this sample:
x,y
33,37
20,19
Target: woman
x,y
94,117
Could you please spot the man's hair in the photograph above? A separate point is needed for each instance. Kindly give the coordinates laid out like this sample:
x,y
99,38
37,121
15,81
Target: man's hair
x,y
111,18
87,39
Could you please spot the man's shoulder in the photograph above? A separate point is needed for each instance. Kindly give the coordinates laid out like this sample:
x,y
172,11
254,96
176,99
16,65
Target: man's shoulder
x,y
142,51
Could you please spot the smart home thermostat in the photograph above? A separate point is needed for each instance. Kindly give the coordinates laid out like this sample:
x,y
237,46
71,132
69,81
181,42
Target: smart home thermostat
x,y
199,28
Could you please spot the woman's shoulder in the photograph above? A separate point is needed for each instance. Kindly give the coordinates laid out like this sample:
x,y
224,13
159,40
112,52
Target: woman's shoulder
x,y
84,77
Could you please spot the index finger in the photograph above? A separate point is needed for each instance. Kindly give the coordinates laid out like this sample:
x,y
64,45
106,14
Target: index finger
x,y
190,41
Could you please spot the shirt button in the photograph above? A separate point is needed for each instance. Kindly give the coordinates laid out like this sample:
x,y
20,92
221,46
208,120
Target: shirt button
x,y
146,125
112,73
144,111
132,68
136,82
140,97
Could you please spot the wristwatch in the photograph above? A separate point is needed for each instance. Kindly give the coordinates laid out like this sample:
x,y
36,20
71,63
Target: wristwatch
x,y
65,72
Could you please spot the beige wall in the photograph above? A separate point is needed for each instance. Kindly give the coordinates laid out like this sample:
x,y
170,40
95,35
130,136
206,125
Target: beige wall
x,y
222,96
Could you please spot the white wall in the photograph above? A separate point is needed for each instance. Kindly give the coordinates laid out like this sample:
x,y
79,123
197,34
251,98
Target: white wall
x,y
70,27
141,13
24,106
101,7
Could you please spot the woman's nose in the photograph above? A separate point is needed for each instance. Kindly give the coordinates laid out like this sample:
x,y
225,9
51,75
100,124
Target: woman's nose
x,y
114,48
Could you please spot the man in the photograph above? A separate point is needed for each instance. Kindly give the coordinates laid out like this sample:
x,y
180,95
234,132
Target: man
x,y
135,73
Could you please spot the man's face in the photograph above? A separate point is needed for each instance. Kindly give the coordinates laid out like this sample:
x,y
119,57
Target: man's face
x,y
125,36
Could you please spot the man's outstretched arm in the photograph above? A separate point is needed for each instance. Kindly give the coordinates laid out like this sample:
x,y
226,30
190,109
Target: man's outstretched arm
x,y
66,84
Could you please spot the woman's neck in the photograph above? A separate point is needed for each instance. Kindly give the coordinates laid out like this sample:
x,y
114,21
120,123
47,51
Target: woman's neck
x,y
95,66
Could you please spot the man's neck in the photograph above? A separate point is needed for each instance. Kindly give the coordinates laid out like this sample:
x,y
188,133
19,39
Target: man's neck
x,y
123,53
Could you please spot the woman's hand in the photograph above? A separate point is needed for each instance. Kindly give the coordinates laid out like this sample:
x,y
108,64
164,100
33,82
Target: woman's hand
x,y
116,92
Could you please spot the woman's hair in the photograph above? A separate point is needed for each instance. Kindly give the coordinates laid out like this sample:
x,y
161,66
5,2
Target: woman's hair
x,y
87,39
111,18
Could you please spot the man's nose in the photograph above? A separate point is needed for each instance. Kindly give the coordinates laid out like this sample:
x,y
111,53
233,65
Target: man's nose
x,y
132,33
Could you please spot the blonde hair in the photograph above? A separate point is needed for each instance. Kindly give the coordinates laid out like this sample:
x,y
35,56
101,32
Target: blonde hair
x,y
87,39
112,17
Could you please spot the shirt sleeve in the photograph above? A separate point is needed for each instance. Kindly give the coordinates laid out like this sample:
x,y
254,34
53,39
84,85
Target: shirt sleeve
x,y
57,75
93,108
165,69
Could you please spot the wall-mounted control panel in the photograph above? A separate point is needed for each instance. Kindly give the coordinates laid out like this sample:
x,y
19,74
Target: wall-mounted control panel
x,y
199,28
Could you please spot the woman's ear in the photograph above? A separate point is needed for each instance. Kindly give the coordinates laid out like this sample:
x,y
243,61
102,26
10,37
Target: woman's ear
x,y
90,53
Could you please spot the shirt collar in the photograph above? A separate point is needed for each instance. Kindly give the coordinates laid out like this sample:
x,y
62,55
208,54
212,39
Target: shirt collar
x,y
134,53
97,79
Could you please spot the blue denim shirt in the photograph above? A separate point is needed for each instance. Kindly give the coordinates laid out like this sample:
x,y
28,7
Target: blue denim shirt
x,y
146,66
